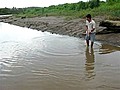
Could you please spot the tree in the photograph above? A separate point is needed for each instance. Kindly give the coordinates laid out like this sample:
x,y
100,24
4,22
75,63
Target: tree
x,y
73,6
80,5
94,3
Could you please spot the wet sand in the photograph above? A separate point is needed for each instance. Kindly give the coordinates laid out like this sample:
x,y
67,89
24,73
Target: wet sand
x,y
60,25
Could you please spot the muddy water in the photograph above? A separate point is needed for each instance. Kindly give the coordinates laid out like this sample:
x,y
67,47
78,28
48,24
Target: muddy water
x,y
32,60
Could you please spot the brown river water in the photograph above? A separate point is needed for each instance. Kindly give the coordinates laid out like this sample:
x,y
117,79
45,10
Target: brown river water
x,y
34,60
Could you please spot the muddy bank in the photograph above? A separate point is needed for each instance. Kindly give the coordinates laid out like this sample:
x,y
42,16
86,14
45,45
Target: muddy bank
x,y
110,38
111,25
60,25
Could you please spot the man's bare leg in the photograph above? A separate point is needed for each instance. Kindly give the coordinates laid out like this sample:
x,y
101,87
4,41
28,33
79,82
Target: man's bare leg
x,y
87,41
92,44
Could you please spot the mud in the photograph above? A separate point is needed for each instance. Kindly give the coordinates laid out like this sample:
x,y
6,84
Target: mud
x,y
60,25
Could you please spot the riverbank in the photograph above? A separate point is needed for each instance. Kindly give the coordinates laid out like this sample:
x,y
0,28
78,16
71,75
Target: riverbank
x,y
60,25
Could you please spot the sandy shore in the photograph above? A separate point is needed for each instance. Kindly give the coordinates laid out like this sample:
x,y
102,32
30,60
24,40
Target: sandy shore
x,y
62,26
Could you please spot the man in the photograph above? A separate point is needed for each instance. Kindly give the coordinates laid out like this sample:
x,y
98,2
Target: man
x,y
90,30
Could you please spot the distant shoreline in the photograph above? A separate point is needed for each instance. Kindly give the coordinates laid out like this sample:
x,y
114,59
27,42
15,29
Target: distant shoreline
x,y
59,25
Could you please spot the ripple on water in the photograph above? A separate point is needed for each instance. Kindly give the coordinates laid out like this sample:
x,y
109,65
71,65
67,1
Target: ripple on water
x,y
53,46
30,60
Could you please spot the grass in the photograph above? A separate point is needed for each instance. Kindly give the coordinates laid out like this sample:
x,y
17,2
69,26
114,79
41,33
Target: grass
x,y
109,11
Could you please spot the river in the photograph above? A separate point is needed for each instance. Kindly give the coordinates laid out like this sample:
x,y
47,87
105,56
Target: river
x,y
34,60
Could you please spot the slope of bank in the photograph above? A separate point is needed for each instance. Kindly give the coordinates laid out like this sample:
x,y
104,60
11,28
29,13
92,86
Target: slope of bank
x,y
59,25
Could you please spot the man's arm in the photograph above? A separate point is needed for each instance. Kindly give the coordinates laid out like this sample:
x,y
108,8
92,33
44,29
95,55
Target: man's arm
x,y
86,28
87,32
93,27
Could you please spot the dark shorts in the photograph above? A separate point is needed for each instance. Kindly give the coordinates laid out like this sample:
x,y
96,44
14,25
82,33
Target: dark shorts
x,y
91,37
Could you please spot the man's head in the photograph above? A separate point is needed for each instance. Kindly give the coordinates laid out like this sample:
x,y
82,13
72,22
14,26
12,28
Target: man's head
x,y
88,17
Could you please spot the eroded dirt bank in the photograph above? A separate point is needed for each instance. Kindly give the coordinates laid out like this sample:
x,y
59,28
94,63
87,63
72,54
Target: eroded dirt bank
x,y
62,26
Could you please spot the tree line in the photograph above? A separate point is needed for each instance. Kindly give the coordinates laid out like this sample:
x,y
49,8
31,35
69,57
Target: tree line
x,y
73,6
68,9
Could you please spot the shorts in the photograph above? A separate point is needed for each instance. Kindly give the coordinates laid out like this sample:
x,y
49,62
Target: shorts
x,y
91,37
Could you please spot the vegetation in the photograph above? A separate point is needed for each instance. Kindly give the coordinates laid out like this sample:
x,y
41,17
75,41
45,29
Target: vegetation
x,y
110,9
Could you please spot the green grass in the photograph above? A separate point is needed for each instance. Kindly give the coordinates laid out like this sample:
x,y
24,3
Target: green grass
x,y
109,11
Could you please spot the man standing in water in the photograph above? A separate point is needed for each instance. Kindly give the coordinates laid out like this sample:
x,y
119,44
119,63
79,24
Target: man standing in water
x,y
90,30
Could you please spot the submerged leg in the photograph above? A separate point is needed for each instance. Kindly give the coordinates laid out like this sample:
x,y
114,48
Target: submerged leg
x,y
87,41
92,44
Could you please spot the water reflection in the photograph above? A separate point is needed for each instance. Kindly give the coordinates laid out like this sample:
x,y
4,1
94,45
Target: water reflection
x,y
89,65
32,60
105,49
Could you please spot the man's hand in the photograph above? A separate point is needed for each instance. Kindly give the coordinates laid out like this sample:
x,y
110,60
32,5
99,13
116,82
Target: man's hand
x,y
92,29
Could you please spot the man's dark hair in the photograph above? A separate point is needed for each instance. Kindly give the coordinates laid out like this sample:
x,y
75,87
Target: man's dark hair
x,y
88,16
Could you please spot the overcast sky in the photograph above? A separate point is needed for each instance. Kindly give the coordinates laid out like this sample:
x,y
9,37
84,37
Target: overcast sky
x,y
30,3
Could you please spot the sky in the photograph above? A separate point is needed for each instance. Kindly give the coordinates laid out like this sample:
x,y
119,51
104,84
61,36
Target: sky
x,y
34,3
